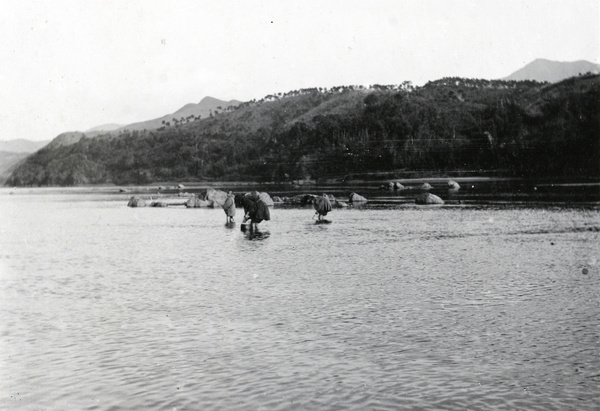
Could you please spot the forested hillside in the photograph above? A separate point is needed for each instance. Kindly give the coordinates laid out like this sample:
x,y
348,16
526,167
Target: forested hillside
x,y
449,126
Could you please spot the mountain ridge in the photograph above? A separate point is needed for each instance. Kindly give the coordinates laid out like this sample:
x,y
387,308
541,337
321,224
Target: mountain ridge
x,y
552,71
189,112
105,127
22,145
516,128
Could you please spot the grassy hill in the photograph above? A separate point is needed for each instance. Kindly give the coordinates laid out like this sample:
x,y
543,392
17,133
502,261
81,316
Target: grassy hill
x,y
449,126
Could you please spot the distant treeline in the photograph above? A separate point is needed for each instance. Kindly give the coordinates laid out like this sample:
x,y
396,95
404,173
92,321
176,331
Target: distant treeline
x,y
451,125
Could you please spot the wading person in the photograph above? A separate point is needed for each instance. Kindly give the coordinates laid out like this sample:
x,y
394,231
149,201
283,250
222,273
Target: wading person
x,y
322,205
255,210
229,207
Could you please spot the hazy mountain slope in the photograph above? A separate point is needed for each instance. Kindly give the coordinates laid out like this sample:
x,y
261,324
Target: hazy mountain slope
x,y
102,129
14,151
22,146
203,109
8,162
105,127
66,139
553,71
280,113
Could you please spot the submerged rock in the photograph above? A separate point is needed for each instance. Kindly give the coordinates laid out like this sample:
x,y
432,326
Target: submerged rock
x,y
300,199
356,198
158,204
392,186
428,198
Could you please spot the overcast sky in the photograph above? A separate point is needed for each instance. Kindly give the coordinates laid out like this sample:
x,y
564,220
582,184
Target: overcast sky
x,y
74,65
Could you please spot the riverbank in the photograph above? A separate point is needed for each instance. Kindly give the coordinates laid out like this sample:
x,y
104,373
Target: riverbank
x,y
477,190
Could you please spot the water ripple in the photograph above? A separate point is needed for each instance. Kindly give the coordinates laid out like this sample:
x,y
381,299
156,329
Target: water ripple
x,y
396,308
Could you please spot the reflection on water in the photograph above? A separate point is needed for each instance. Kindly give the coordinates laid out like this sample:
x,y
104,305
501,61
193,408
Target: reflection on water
x,y
391,306
257,235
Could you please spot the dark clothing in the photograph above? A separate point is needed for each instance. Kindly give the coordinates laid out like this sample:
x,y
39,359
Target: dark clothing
x,y
255,208
322,205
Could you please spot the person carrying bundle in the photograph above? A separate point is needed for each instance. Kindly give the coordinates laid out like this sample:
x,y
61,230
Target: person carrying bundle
x,y
255,210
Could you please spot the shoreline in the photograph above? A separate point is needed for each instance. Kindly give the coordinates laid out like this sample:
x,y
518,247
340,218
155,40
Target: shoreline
x,y
474,191
184,185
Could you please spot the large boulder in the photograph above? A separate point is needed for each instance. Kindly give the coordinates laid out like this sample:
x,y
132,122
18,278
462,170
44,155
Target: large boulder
x,y
197,202
453,185
266,198
356,198
428,198
387,186
216,197
135,201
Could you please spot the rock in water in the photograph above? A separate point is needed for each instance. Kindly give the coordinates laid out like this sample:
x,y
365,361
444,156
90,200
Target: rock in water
x,y
356,198
196,202
453,185
266,198
135,201
428,198
217,197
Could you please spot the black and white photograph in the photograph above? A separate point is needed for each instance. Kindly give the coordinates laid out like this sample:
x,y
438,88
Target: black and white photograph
x,y
300,205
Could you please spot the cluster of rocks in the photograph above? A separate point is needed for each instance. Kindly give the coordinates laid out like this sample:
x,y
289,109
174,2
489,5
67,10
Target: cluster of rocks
x,y
397,186
424,197
212,198
216,198
306,199
136,201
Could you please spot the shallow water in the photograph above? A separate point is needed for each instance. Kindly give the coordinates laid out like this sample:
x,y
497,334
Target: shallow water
x,y
391,306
